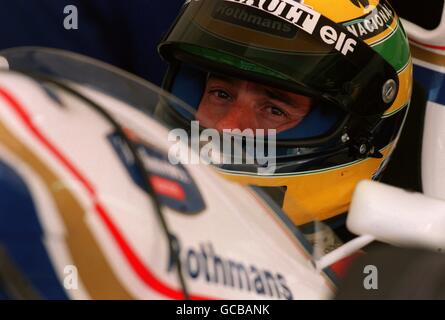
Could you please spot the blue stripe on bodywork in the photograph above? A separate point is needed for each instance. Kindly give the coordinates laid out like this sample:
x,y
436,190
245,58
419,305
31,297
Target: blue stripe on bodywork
x,y
433,81
22,236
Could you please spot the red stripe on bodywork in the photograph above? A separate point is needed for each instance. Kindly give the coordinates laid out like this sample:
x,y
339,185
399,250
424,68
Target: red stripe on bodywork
x,y
428,45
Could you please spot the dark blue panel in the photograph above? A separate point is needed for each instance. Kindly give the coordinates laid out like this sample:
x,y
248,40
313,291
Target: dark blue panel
x,y
21,235
433,81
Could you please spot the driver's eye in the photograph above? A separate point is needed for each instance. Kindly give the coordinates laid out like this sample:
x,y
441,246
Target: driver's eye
x,y
276,111
221,94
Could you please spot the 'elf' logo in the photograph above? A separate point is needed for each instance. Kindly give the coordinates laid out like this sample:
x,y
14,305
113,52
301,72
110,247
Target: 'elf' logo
x,y
360,3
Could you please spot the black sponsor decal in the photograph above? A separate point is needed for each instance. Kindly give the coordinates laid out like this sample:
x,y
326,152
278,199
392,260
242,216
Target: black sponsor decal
x,y
254,19
292,14
360,3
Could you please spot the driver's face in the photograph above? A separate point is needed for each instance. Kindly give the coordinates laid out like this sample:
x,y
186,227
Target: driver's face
x,y
229,103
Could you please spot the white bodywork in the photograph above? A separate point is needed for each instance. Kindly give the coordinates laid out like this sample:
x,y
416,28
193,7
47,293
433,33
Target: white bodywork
x,y
392,215
433,154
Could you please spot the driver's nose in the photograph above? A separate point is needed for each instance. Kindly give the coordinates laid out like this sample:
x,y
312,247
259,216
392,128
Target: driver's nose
x,y
240,115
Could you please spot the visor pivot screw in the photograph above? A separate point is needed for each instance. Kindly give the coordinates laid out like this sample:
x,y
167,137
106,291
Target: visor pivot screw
x,y
345,138
363,149
389,91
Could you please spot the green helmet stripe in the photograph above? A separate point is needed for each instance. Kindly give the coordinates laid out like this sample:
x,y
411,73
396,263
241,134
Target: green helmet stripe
x,y
395,49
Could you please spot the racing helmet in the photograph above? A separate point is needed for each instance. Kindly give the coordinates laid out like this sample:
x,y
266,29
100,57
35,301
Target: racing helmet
x,y
350,57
